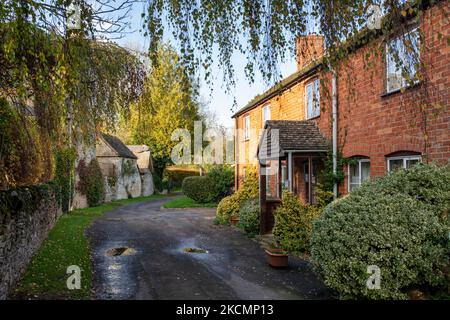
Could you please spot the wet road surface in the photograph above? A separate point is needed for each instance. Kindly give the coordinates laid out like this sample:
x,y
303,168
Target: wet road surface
x,y
235,267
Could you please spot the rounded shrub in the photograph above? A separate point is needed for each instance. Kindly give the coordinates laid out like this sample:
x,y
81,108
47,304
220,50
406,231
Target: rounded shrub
x,y
199,188
249,216
398,223
229,206
293,223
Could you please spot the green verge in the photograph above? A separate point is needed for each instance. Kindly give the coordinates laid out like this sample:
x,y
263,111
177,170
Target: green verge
x,y
186,202
66,245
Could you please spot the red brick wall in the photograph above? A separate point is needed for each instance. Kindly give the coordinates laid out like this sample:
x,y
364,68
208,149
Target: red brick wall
x,y
371,123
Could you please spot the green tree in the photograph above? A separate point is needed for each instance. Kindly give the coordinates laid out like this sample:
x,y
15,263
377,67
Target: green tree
x,y
60,84
169,101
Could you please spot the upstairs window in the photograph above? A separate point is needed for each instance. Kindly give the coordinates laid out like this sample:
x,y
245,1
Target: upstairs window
x,y
404,162
402,61
358,173
246,127
265,114
312,99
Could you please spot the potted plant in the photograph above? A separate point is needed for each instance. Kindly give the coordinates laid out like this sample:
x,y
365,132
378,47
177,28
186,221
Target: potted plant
x,y
234,220
277,257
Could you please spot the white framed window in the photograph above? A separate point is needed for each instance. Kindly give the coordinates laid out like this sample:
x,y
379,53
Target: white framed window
x,y
246,127
402,61
312,99
404,162
358,173
265,114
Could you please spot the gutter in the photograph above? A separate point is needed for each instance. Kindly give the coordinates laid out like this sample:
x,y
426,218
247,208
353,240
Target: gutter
x,y
334,129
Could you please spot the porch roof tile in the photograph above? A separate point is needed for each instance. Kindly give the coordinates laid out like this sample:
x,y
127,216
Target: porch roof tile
x,y
298,136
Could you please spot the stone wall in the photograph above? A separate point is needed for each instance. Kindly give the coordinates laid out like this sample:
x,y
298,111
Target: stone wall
x,y
148,187
85,152
26,217
122,178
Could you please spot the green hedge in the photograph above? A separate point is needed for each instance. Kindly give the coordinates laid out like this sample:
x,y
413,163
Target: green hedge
x,y
249,216
210,188
222,179
399,223
199,188
293,223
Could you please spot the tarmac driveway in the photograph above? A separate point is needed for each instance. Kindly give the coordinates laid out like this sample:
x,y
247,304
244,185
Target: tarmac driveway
x,y
157,267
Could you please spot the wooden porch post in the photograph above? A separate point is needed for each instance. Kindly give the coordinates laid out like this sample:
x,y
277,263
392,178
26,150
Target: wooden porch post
x,y
310,179
290,171
262,199
280,181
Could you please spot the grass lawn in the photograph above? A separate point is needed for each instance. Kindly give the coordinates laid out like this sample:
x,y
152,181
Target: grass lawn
x,y
185,202
66,245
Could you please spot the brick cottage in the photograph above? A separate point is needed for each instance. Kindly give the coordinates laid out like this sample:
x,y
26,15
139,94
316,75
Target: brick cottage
x,y
382,121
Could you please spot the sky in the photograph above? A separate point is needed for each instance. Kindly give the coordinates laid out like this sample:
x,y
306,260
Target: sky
x,y
218,101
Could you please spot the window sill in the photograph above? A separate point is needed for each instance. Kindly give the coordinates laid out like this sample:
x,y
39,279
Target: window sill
x,y
314,117
407,88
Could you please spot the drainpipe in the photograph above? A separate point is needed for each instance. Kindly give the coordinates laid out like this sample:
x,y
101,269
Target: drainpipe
x,y
290,171
334,124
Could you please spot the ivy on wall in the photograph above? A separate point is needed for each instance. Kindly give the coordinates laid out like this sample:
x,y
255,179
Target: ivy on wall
x,y
91,182
328,178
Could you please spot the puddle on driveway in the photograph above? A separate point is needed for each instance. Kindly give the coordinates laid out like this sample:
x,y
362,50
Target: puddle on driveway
x,y
121,251
195,250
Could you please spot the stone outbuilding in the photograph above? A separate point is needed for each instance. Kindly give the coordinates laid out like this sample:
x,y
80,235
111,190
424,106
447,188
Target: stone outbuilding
x,y
145,166
119,168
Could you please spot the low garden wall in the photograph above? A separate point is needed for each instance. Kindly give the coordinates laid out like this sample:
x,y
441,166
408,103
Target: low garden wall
x,y
26,217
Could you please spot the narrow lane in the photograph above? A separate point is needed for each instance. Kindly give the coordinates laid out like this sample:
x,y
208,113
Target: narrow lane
x,y
157,267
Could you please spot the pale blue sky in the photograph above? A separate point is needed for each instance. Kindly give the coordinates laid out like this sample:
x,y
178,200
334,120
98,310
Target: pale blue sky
x,y
219,102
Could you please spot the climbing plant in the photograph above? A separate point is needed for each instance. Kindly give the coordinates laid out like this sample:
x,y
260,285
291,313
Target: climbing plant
x,y
91,182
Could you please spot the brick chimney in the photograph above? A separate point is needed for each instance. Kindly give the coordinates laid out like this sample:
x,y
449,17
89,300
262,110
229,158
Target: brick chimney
x,y
309,49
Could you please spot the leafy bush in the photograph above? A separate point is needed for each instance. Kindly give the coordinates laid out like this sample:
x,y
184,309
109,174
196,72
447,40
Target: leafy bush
x,y
223,180
199,188
293,223
91,182
229,206
250,187
249,216
64,175
399,223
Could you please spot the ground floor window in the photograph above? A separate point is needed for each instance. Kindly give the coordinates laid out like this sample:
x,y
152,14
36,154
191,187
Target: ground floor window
x,y
358,172
404,162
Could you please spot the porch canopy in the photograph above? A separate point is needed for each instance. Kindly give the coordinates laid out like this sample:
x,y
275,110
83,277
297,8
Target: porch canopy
x,y
289,154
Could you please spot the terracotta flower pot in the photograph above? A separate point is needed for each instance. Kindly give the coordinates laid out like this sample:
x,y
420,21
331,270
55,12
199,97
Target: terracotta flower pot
x,y
234,221
277,258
